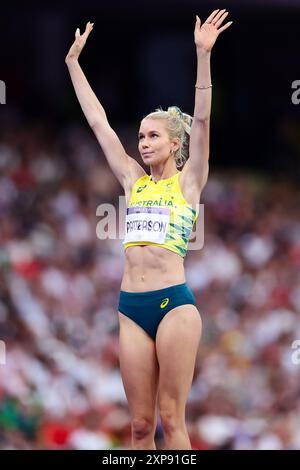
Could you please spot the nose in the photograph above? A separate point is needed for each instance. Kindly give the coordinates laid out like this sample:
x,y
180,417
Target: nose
x,y
145,144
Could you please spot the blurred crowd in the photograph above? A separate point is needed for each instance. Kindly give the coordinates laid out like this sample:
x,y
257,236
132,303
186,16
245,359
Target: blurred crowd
x,y
60,386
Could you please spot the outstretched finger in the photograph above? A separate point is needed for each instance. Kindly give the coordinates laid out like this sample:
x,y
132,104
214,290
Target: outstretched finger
x,y
218,16
225,26
211,17
198,23
221,19
88,28
77,33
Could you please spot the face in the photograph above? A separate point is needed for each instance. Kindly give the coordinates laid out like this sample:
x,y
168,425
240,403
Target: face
x,y
155,145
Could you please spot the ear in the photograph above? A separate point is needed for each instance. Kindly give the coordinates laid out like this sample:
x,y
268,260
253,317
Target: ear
x,y
175,144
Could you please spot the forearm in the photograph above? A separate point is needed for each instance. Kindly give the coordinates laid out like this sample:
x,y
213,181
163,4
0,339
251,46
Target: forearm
x,y
203,96
89,103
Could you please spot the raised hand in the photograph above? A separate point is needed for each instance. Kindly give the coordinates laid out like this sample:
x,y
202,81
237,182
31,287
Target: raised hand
x,y
206,35
79,43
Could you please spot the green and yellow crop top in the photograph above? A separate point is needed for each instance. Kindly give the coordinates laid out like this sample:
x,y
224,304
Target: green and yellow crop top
x,y
159,215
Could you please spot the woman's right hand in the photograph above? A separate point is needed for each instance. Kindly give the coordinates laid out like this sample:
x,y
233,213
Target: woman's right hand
x,y
79,43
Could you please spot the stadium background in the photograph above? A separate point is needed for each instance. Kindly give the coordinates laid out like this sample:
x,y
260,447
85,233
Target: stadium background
x,y
60,387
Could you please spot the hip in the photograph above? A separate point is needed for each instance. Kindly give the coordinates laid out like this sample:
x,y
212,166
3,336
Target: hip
x,y
171,296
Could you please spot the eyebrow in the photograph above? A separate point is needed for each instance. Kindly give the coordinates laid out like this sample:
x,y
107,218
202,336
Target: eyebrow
x,y
149,132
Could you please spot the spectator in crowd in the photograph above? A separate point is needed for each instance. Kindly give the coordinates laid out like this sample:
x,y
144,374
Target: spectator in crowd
x,y
60,386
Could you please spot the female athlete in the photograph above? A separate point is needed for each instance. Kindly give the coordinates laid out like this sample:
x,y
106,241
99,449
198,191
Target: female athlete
x,y
160,326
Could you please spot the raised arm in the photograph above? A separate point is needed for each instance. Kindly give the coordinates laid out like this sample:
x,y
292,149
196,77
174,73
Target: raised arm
x,y
125,168
196,168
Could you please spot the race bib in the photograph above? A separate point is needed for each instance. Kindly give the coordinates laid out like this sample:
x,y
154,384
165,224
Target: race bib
x,y
146,224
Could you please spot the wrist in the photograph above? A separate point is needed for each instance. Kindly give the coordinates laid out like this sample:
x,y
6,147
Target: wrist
x,y
203,52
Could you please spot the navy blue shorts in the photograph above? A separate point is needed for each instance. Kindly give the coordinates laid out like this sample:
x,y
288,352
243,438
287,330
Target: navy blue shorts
x,y
147,309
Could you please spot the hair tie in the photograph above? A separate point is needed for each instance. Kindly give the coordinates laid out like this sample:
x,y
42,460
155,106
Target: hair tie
x,y
174,111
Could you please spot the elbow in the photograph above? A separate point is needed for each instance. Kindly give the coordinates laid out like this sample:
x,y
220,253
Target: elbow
x,y
96,117
69,60
202,118
96,122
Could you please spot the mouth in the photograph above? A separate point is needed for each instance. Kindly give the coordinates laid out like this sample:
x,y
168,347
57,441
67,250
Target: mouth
x,y
147,154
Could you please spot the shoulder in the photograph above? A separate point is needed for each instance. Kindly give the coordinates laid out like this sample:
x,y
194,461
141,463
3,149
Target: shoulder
x,y
189,185
134,173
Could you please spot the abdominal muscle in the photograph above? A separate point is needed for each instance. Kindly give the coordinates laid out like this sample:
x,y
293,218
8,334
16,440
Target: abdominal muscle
x,y
149,267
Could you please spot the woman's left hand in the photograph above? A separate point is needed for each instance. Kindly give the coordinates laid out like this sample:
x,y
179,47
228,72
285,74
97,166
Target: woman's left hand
x,y
206,35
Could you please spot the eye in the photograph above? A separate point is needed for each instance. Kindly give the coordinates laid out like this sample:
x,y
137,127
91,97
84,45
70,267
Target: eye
x,y
154,135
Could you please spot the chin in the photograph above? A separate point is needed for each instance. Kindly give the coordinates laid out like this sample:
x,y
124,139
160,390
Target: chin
x,y
148,161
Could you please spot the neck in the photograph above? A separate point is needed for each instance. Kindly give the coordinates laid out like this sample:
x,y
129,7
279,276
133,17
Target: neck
x,y
163,171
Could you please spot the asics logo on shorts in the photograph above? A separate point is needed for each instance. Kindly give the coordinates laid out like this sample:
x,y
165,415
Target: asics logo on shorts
x,y
164,302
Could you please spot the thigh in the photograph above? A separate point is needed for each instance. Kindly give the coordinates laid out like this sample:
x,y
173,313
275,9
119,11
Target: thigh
x,y
139,368
177,343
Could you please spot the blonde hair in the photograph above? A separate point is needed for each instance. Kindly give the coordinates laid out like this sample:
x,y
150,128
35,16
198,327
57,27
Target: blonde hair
x,y
178,125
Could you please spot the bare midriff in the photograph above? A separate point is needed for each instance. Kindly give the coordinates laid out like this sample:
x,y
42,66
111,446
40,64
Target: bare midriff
x,y
149,267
